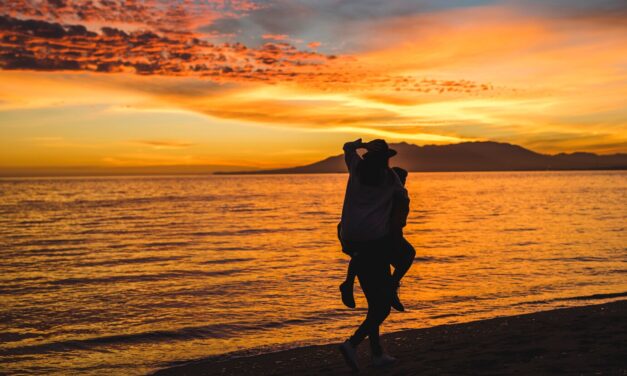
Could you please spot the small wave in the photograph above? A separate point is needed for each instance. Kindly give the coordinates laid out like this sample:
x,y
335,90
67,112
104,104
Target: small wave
x,y
562,259
252,210
109,232
240,248
524,244
46,205
252,231
315,212
137,260
575,298
166,244
520,229
441,259
35,222
52,252
445,315
143,337
181,334
145,277
227,261
47,242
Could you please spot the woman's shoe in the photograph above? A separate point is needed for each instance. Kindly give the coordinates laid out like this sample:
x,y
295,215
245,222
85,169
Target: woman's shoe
x,y
348,298
396,301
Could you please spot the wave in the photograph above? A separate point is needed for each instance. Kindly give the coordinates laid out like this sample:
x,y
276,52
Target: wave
x,y
251,231
441,259
17,288
137,260
46,205
223,330
573,259
520,229
143,337
227,261
145,277
165,244
47,242
575,298
524,244
251,210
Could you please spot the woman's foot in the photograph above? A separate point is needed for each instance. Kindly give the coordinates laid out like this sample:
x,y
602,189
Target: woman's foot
x,y
396,301
348,299
349,352
382,360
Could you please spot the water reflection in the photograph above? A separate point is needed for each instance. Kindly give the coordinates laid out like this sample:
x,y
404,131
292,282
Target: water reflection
x,y
132,273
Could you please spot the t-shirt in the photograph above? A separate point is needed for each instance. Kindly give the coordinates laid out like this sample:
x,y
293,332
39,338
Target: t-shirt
x,y
367,209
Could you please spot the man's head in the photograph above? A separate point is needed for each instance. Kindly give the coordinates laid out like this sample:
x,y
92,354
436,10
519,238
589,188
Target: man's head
x,y
382,150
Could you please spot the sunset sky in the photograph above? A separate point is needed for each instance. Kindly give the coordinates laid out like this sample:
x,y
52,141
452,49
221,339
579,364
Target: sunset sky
x,y
283,83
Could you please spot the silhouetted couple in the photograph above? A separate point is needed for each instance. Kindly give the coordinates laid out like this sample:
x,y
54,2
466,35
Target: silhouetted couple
x,y
375,211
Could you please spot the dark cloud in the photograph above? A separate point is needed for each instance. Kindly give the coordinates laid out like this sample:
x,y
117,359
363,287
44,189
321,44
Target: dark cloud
x,y
42,45
165,16
23,61
42,29
177,49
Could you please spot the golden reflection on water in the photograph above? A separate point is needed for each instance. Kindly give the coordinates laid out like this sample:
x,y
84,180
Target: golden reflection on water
x,y
130,274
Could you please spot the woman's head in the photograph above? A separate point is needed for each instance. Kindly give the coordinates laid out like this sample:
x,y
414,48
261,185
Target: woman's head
x,y
401,173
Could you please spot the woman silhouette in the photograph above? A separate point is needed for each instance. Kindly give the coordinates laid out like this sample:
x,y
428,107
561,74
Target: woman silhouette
x,y
370,193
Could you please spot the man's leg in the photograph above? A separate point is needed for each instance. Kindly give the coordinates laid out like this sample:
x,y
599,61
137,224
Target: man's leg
x,y
375,280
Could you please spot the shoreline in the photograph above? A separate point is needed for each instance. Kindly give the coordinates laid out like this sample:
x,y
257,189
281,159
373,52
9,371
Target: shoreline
x,y
579,340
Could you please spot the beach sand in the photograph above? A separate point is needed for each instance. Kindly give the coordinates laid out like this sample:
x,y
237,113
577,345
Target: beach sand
x,y
590,340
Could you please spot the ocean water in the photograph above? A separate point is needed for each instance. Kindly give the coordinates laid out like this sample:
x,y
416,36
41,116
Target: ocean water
x,y
125,275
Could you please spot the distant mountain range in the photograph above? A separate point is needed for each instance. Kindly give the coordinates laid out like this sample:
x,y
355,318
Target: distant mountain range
x,y
468,156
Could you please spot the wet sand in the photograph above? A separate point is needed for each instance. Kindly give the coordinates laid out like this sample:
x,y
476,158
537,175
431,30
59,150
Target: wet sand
x,y
586,340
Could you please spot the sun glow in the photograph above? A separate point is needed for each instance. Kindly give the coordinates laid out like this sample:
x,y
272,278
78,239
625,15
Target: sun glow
x,y
529,75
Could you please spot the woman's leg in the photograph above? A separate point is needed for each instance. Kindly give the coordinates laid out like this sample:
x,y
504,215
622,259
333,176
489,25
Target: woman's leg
x,y
351,272
346,288
403,259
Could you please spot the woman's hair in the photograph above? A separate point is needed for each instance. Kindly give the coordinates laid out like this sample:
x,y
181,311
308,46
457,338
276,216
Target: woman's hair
x,y
372,170
401,173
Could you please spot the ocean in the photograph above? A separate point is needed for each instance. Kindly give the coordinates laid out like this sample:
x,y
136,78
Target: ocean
x,y
126,275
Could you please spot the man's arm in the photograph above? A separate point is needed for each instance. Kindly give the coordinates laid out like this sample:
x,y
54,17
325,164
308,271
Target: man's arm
x,y
350,154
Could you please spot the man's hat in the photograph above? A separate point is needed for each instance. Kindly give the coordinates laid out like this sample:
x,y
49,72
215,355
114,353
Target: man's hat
x,y
383,152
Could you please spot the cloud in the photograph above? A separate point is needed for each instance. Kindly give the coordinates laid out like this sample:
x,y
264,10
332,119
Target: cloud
x,y
426,71
275,36
41,45
169,17
164,144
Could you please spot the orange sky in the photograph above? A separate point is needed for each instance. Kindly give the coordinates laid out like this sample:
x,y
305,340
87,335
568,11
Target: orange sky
x,y
285,83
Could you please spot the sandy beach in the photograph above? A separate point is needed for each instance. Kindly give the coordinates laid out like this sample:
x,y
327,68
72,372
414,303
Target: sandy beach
x,y
582,340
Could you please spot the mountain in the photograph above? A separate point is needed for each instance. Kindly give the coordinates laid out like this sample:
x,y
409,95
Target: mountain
x,y
468,156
